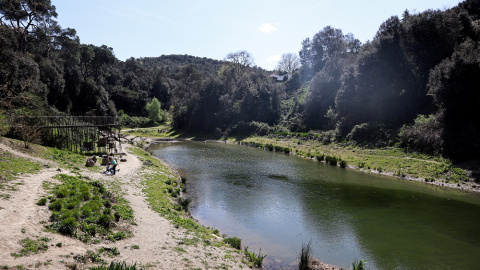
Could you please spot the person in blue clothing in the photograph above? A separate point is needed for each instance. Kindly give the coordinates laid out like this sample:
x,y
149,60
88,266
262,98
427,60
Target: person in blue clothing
x,y
114,165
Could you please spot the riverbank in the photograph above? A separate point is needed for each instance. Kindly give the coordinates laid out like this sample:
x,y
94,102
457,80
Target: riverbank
x,y
162,235
390,161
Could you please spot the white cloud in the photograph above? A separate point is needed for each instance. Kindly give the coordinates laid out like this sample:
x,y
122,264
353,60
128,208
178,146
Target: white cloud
x,y
268,27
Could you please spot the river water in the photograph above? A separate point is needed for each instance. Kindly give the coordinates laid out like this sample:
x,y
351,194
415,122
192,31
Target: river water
x,y
278,202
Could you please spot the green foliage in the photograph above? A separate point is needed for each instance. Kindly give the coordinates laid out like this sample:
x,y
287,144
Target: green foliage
x,y
184,203
4,128
369,133
358,265
135,121
12,166
305,256
331,160
155,111
84,217
31,246
356,91
423,135
116,266
235,242
255,259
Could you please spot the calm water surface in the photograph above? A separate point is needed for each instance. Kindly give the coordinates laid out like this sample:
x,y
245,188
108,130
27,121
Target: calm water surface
x,y
277,202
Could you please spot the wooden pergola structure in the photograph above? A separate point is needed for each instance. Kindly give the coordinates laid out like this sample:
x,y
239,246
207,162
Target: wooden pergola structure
x,y
75,133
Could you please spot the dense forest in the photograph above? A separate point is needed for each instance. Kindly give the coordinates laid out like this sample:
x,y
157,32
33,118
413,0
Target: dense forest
x,y
415,84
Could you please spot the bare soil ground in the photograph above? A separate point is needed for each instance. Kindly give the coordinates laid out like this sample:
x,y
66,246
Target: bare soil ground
x,y
156,243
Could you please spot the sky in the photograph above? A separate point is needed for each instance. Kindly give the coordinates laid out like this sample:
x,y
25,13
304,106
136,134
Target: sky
x,y
213,28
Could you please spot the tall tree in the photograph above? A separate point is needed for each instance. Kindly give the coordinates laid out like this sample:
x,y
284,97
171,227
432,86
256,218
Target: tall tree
x,y
240,61
454,87
289,63
26,17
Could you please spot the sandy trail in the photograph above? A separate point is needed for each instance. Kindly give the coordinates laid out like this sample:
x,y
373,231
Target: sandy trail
x,y
161,245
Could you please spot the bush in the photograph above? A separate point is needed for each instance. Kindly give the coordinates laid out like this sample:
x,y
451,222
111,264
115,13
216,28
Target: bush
x,y
259,128
343,163
135,121
331,160
235,242
371,133
423,135
320,157
42,201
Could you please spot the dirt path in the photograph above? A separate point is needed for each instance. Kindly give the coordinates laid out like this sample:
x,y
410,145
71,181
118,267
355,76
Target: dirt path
x,y
156,243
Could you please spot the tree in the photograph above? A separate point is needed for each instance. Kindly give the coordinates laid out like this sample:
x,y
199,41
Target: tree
x,y
289,63
454,86
25,17
155,111
240,60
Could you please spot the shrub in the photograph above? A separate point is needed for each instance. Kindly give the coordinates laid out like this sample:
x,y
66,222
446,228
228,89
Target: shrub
x,y
68,226
253,127
343,163
331,160
42,201
423,135
369,133
320,157
235,242
184,203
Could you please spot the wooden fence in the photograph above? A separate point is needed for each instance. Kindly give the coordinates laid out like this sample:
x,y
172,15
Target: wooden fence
x,y
75,133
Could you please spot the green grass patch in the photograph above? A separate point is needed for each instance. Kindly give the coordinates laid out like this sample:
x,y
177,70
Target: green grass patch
x,y
86,210
116,266
12,166
161,131
395,161
162,189
31,246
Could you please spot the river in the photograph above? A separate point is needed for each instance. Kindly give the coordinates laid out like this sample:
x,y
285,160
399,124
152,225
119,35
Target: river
x,y
277,202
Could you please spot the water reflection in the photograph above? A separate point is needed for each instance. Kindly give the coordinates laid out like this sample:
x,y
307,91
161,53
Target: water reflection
x,y
276,202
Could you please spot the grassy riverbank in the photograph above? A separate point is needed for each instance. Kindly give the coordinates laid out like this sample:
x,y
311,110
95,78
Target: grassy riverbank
x,y
48,194
389,160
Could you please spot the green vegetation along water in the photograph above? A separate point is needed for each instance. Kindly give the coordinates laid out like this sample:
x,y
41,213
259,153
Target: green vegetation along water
x,y
277,202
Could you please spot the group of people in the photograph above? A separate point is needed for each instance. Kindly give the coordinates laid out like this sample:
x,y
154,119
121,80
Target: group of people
x,y
111,166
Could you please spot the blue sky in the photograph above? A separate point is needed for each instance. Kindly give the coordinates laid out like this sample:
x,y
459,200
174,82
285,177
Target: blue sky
x,y
213,28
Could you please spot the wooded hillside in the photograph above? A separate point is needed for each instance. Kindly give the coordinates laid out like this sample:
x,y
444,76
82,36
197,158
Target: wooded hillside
x,y
415,84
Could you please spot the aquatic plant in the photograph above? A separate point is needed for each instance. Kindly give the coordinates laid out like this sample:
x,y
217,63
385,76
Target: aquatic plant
x,y
255,259
358,265
305,256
